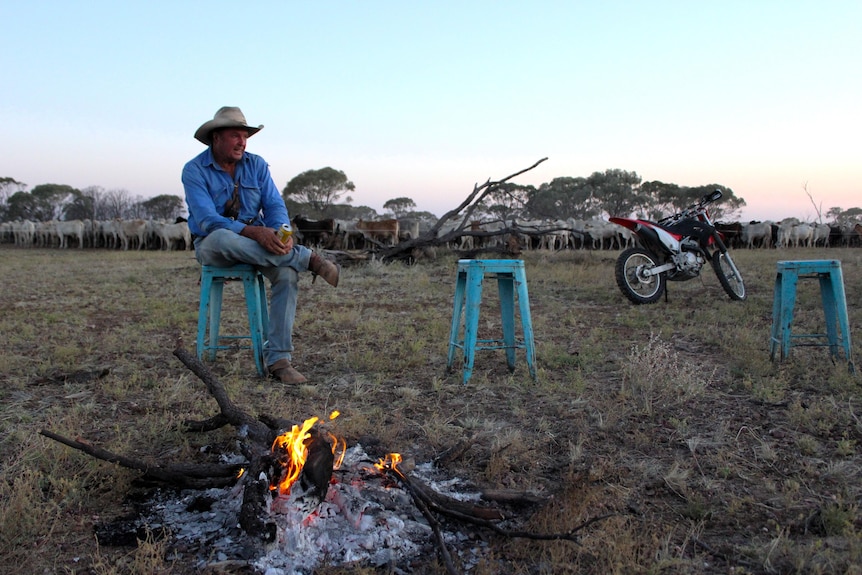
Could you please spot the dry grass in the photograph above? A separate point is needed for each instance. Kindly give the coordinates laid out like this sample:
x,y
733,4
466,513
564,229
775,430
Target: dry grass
x,y
671,417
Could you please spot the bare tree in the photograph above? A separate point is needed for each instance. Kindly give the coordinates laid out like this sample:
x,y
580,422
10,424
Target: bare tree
x,y
817,209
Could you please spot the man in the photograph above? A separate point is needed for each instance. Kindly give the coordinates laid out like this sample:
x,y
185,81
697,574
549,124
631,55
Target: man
x,y
235,211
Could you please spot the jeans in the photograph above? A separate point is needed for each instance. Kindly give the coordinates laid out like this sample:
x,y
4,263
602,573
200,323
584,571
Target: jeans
x,y
224,248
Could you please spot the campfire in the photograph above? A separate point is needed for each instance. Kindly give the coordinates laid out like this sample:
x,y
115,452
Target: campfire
x,y
308,456
298,497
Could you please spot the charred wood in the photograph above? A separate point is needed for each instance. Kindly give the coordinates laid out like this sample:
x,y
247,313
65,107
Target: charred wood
x,y
197,476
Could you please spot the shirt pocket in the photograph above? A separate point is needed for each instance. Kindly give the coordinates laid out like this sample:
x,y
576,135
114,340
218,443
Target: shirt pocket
x,y
249,200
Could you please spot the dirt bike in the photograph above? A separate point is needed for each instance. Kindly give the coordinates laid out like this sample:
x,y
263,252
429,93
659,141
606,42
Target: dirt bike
x,y
675,249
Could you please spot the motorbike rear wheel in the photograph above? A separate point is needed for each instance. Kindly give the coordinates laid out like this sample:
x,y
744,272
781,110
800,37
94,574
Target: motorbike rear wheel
x,y
729,279
637,287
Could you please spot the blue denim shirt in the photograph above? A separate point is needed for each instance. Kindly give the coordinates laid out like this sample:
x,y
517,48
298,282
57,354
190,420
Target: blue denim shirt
x,y
209,188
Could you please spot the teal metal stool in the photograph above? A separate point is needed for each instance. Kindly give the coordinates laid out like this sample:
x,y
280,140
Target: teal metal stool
x,y
209,340
468,295
837,335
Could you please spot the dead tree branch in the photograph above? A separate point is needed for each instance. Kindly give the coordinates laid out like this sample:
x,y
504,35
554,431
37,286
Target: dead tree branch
x,y
468,206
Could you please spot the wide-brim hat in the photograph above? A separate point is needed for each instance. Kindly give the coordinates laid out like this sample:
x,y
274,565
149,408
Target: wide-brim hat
x,y
226,117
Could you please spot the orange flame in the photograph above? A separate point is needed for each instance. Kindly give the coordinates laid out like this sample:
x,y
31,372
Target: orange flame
x,y
391,461
293,444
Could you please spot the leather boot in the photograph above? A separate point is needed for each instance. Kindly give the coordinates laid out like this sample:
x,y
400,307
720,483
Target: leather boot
x,y
286,373
324,268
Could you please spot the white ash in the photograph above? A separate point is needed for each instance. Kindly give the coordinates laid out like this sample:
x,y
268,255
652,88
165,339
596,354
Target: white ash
x,y
365,519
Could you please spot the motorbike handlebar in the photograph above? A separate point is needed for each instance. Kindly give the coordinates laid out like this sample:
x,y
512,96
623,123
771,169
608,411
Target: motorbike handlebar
x,y
694,208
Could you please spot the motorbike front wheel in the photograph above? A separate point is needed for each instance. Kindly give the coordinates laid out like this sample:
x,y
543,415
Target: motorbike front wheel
x,y
635,285
728,275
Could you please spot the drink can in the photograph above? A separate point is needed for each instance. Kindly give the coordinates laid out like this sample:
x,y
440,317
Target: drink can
x,y
284,232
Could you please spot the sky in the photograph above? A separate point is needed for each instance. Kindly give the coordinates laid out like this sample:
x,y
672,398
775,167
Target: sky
x,y
425,100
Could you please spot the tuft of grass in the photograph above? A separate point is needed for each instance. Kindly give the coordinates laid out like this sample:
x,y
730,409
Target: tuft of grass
x,y
657,375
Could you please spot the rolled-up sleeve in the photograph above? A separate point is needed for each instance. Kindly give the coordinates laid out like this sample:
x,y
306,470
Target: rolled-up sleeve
x,y
274,209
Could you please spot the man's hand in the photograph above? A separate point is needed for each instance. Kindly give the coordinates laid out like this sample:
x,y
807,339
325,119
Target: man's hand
x,y
268,238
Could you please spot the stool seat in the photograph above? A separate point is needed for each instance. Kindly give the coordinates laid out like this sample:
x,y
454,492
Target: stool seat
x,y
209,340
511,279
837,336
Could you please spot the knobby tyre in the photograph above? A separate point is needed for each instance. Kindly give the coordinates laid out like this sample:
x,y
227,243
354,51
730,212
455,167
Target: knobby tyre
x,y
729,279
629,273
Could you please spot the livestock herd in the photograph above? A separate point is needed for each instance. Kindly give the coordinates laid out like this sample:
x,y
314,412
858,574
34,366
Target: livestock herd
x,y
561,234
141,234
137,234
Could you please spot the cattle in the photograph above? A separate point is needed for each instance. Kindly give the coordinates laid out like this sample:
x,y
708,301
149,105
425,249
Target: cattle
x,y
314,233
578,235
495,230
171,234
24,233
347,237
801,235
380,230
601,230
557,235
731,233
134,233
530,232
408,229
821,235
757,234
71,229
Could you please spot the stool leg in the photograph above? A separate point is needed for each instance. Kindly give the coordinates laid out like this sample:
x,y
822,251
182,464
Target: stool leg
x,y
527,323
775,338
203,314
454,342
830,312
264,313
841,308
471,320
788,301
506,288
835,309
214,317
255,322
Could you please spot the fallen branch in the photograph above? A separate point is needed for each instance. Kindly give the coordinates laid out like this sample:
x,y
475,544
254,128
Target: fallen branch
x,y
199,476
480,516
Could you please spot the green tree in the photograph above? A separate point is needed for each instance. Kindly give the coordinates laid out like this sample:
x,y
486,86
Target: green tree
x,y
841,216
51,200
80,207
614,191
506,201
562,198
659,199
21,206
319,189
727,208
8,186
164,207
399,206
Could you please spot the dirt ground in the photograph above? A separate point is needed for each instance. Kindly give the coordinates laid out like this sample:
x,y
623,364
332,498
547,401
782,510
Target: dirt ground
x,y
668,422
